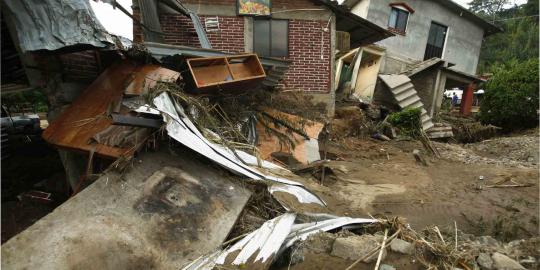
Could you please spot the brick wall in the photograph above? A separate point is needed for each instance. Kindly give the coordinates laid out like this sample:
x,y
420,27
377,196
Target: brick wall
x,y
179,30
308,72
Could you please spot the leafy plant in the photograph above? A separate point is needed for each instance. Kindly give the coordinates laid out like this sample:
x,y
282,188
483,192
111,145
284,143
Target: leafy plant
x,y
408,121
511,99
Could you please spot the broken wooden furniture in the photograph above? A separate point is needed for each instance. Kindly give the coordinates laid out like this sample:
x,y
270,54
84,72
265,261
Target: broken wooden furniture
x,y
85,126
227,73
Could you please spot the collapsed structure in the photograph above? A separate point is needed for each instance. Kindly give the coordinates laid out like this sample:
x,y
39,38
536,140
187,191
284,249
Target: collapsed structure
x,y
186,140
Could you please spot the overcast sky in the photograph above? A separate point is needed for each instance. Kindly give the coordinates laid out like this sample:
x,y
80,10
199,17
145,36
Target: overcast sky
x,y
118,23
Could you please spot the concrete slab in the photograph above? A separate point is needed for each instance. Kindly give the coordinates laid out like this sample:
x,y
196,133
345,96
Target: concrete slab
x,y
162,213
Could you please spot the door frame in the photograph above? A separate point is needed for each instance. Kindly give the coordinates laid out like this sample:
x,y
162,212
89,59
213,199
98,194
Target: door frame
x,y
445,37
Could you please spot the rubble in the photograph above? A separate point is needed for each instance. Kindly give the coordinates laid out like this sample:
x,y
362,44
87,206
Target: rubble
x,y
402,246
199,166
356,247
509,151
484,261
502,262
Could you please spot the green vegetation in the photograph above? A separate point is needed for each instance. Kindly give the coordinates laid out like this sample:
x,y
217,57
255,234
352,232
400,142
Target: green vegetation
x,y
34,99
511,99
519,41
408,122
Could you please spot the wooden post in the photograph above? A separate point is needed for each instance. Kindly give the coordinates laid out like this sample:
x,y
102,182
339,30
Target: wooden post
x,y
467,100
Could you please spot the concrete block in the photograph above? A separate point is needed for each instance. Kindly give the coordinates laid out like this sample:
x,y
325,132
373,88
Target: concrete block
x,y
401,246
503,262
356,247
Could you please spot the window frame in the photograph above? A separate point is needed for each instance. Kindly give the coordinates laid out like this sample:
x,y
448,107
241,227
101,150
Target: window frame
x,y
398,10
269,20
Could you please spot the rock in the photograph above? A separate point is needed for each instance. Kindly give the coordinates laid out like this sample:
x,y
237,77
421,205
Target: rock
x,y
297,254
356,247
386,267
485,261
401,246
529,261
488,241
503,262
419,157
380,137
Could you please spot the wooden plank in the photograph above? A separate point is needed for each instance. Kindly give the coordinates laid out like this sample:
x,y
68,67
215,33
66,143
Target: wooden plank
x,y
86,115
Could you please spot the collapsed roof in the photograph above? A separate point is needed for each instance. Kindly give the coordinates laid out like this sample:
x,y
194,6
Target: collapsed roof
x,y
363,32
54,24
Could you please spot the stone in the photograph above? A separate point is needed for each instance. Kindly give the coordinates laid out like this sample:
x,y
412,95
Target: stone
x,y
356,247
485,261
528,262
503,262
402,246
386,267
419,157
488,241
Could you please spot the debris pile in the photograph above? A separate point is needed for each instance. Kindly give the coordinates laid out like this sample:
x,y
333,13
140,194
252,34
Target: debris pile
x,y
205,172
517,151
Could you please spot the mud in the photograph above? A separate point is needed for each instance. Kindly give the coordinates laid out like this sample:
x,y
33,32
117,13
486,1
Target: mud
x,y
383,179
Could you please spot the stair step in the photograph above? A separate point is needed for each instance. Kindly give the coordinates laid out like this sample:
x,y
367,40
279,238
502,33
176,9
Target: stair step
x,y
409,101
404,95
403,88
427,126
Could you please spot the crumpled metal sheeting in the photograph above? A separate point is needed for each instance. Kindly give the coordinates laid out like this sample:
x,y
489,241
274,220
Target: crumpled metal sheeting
x,y
55,24
180,128
304,230
271,239
303,196
263,243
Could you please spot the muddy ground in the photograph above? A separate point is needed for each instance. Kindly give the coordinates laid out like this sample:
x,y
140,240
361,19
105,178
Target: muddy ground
x,y
367,177
382,179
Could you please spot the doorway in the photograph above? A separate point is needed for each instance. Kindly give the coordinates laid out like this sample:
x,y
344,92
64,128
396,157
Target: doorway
x,y
436,40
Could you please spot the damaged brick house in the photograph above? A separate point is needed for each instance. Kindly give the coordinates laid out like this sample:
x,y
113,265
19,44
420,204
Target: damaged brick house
x,y
302,32
437,45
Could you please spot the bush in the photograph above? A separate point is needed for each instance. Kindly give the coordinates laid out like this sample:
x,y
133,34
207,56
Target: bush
x,y
408,121
511,98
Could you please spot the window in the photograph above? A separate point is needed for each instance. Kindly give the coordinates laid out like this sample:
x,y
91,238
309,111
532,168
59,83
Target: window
x,y
398,20
271,37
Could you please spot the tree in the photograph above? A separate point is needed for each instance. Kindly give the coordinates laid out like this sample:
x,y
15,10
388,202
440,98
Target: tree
x,y
511,98
519,41
487,8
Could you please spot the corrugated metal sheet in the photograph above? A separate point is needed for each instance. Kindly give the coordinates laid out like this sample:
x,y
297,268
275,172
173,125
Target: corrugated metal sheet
x,y
150,18
56,24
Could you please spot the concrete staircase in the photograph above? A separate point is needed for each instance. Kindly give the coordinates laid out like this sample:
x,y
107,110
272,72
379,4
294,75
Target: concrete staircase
x,y
406,96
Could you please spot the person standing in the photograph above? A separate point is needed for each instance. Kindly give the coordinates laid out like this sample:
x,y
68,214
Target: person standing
x,y
454,100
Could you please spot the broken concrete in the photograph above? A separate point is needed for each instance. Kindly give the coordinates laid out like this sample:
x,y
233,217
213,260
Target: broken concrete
x,y
356,247
139,219
484,261
503,262
401,246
